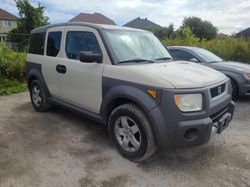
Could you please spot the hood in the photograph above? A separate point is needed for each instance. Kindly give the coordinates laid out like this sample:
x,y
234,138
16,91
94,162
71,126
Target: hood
x,y
177,74
232,66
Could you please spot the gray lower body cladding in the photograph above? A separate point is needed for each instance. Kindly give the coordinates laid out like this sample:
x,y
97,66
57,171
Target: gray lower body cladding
x,y
113,89
34,71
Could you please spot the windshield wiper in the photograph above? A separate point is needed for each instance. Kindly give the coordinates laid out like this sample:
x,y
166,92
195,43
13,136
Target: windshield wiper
x,y
138,60
215,61
164,58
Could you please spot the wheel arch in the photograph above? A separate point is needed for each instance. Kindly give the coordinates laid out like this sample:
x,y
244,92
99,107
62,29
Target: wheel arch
x,y
115,102
128,94
34,74
123,94
234,80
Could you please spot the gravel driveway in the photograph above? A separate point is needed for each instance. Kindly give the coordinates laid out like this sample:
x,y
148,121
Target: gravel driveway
x,y
59,148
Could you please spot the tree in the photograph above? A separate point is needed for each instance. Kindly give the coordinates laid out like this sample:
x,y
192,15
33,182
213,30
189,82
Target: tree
x,y
200,28
164,32
30,18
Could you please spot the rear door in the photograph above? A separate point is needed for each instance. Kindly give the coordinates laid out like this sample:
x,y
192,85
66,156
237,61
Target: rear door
x,y
52,57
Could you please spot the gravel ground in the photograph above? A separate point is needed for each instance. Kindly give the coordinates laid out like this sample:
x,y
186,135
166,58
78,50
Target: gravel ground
x,y
59,148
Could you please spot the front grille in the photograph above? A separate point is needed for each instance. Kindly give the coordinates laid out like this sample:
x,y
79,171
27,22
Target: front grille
x,y
218,90
218,114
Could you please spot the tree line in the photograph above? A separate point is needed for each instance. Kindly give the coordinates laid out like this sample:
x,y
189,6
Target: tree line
x,y
199,28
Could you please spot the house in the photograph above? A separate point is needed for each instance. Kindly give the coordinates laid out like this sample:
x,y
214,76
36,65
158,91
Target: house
x,y
144,24
7,22
245,33
93,18
221,36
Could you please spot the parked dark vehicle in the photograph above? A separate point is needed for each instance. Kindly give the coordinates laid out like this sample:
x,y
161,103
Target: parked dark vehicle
x,y
239,73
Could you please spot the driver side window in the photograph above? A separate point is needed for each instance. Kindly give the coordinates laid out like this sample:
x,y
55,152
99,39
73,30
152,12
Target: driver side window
x,y
183,55
78,41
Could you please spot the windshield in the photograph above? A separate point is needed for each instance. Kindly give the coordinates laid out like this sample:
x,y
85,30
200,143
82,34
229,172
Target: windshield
x,y
207,55
135,45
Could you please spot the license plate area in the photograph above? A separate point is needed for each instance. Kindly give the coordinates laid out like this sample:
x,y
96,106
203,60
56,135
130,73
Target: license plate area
x,y
223,122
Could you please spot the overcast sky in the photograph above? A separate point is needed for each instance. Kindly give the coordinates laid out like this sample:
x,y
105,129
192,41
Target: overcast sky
x,y
228,15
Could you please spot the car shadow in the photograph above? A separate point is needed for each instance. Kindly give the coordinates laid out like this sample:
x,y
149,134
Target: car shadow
x,y
174,159
48,129
191,159
93,130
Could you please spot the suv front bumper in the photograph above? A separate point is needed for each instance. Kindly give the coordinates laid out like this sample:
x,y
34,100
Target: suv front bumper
x,y
197,132
174,128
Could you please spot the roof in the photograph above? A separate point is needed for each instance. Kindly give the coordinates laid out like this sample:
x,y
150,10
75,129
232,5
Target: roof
x,y
6,15
92,25
221,36
245,33
142,24
93,18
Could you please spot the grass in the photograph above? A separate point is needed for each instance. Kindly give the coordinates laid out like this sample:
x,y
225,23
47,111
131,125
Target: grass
x,y
8,87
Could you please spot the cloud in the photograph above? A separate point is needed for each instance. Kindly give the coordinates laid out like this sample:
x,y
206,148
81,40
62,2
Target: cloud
x,y
9,6
58,17
228,15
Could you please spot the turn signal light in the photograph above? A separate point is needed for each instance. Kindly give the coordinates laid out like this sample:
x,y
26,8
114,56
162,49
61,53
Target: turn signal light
x,y
151,92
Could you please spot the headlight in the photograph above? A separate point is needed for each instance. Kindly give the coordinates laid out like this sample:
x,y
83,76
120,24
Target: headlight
x,y
247,76
189,102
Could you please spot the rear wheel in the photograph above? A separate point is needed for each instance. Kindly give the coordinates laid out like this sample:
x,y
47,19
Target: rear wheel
x,y
131,132
39,98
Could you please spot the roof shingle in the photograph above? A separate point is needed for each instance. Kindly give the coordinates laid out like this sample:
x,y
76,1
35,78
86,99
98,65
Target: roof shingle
x,y
93,18
245,33
6,15
145,24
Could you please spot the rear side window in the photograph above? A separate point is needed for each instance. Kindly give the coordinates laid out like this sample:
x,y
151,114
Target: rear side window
x,y
181,54
53,43
78,41
37,43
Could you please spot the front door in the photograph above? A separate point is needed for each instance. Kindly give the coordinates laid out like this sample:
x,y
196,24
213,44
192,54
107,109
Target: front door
x,y
81,83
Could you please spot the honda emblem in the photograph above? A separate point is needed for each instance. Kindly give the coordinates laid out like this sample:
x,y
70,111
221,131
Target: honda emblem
x,y
219,90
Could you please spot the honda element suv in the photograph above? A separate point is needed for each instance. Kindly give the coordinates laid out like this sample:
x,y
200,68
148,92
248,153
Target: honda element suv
x,y
125,78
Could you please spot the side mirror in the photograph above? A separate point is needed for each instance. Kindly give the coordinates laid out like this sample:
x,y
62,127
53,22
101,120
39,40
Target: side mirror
x,y
90,57
194,60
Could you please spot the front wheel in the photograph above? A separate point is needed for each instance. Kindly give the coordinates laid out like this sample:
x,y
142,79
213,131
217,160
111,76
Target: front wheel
x,y
131,132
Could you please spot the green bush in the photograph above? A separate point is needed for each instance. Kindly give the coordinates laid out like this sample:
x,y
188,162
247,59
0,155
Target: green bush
x,y
11,64
12,87
230,48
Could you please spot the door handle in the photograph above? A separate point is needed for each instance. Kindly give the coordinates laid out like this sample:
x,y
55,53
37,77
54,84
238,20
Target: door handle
x,y
61,69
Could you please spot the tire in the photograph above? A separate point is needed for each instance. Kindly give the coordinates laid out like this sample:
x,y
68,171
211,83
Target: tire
x,y
235,89
39,98
133,143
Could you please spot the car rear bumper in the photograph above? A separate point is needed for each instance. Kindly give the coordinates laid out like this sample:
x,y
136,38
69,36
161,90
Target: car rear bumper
x,y
244,90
